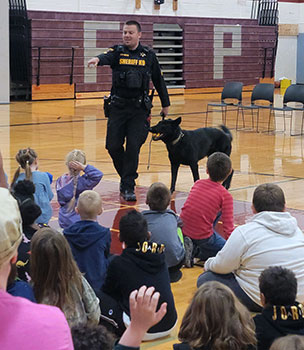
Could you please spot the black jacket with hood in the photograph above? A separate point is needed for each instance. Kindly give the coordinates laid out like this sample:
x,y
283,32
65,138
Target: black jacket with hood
x,y
278,321
136,267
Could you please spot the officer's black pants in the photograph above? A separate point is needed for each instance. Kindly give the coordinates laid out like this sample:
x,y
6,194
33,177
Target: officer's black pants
x,y
128,124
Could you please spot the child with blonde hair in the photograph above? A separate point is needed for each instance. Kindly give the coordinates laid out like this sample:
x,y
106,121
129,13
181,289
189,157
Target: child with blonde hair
x,y
69,186
89,241
215,319
28,161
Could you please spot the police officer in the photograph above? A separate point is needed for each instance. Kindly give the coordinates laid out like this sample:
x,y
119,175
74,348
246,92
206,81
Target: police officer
x,y
133,65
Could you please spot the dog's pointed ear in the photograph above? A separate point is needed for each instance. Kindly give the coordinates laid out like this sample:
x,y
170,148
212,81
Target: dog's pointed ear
x,y
178,120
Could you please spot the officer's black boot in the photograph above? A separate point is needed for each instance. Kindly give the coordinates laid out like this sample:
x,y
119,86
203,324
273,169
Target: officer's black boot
x,y
128,195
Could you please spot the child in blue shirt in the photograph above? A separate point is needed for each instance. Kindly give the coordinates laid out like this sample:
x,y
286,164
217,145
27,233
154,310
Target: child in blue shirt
x,y
28,161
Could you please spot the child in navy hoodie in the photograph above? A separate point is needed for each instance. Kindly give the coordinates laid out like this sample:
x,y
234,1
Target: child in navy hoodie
x,y
89,241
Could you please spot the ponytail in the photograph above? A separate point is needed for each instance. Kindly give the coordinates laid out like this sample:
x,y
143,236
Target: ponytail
x,y
28,171
72,202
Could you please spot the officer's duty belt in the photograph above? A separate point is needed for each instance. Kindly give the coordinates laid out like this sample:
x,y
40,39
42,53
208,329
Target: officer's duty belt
x,y
127,100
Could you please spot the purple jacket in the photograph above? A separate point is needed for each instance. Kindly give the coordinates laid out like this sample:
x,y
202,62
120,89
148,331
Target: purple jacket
x,y
65,187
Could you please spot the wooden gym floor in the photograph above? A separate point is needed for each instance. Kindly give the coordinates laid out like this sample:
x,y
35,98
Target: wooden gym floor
x,y
53,128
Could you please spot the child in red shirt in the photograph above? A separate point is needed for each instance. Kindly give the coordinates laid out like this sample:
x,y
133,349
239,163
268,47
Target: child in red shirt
x,y
207,201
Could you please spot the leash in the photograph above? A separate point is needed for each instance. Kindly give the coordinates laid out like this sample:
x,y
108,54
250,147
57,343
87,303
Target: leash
x,y
149,156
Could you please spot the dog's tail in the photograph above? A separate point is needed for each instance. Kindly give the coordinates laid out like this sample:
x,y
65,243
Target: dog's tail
x,y
226,131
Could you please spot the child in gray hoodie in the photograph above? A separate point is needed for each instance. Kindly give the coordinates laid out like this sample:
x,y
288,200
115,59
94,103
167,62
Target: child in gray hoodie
x,y
163,223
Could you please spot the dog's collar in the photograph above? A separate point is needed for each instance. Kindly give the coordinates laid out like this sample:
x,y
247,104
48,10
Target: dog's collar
x,y
178,139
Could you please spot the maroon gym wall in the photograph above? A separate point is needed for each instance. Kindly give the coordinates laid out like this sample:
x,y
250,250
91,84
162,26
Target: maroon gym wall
x,y
62,29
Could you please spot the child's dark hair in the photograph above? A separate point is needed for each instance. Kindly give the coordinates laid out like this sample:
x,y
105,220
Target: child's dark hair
x,y
134,23
24,191
25,157
279,286
219,166
268,197
92,338
158,196
133,229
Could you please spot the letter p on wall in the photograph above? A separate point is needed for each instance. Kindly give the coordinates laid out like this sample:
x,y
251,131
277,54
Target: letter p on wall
x,y
234,47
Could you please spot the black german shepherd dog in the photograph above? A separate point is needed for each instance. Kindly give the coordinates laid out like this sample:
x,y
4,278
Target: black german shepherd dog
x,y
189,146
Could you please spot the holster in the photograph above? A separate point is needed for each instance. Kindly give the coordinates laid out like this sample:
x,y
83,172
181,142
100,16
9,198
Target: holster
x,y
118,102
107,105
148,103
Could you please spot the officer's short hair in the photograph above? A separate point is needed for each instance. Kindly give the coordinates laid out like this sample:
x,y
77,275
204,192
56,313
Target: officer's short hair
x,y
219,166
279,286
268,197
133,229
134,23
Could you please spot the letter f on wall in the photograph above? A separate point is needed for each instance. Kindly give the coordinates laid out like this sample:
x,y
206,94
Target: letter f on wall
x,y
89,44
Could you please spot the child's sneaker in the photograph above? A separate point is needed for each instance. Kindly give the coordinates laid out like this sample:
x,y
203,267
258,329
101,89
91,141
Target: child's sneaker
x,y
198,262
188,251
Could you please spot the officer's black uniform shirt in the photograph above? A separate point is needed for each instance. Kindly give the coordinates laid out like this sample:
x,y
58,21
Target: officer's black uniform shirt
x,y
142,63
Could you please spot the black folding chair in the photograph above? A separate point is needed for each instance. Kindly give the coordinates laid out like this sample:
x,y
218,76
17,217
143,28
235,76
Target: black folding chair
x,y
261,92
294,93
231,90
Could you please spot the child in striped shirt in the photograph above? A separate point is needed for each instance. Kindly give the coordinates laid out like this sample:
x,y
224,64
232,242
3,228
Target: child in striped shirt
x,y
208,200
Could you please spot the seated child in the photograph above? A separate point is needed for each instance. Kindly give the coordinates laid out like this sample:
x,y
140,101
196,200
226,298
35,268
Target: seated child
x,y
57,280
24,191
141,263
281,314
89,241
69,186
28,161
143,303
206,200
19,288
215,319
163,225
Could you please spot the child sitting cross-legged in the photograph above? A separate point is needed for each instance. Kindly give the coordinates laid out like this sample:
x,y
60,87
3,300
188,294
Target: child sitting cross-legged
x,y
143,304
141,262
207,201
163,224
89,241
281,314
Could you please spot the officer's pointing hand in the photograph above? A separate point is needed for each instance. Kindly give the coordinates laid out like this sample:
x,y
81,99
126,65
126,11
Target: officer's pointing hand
x,y
93,62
